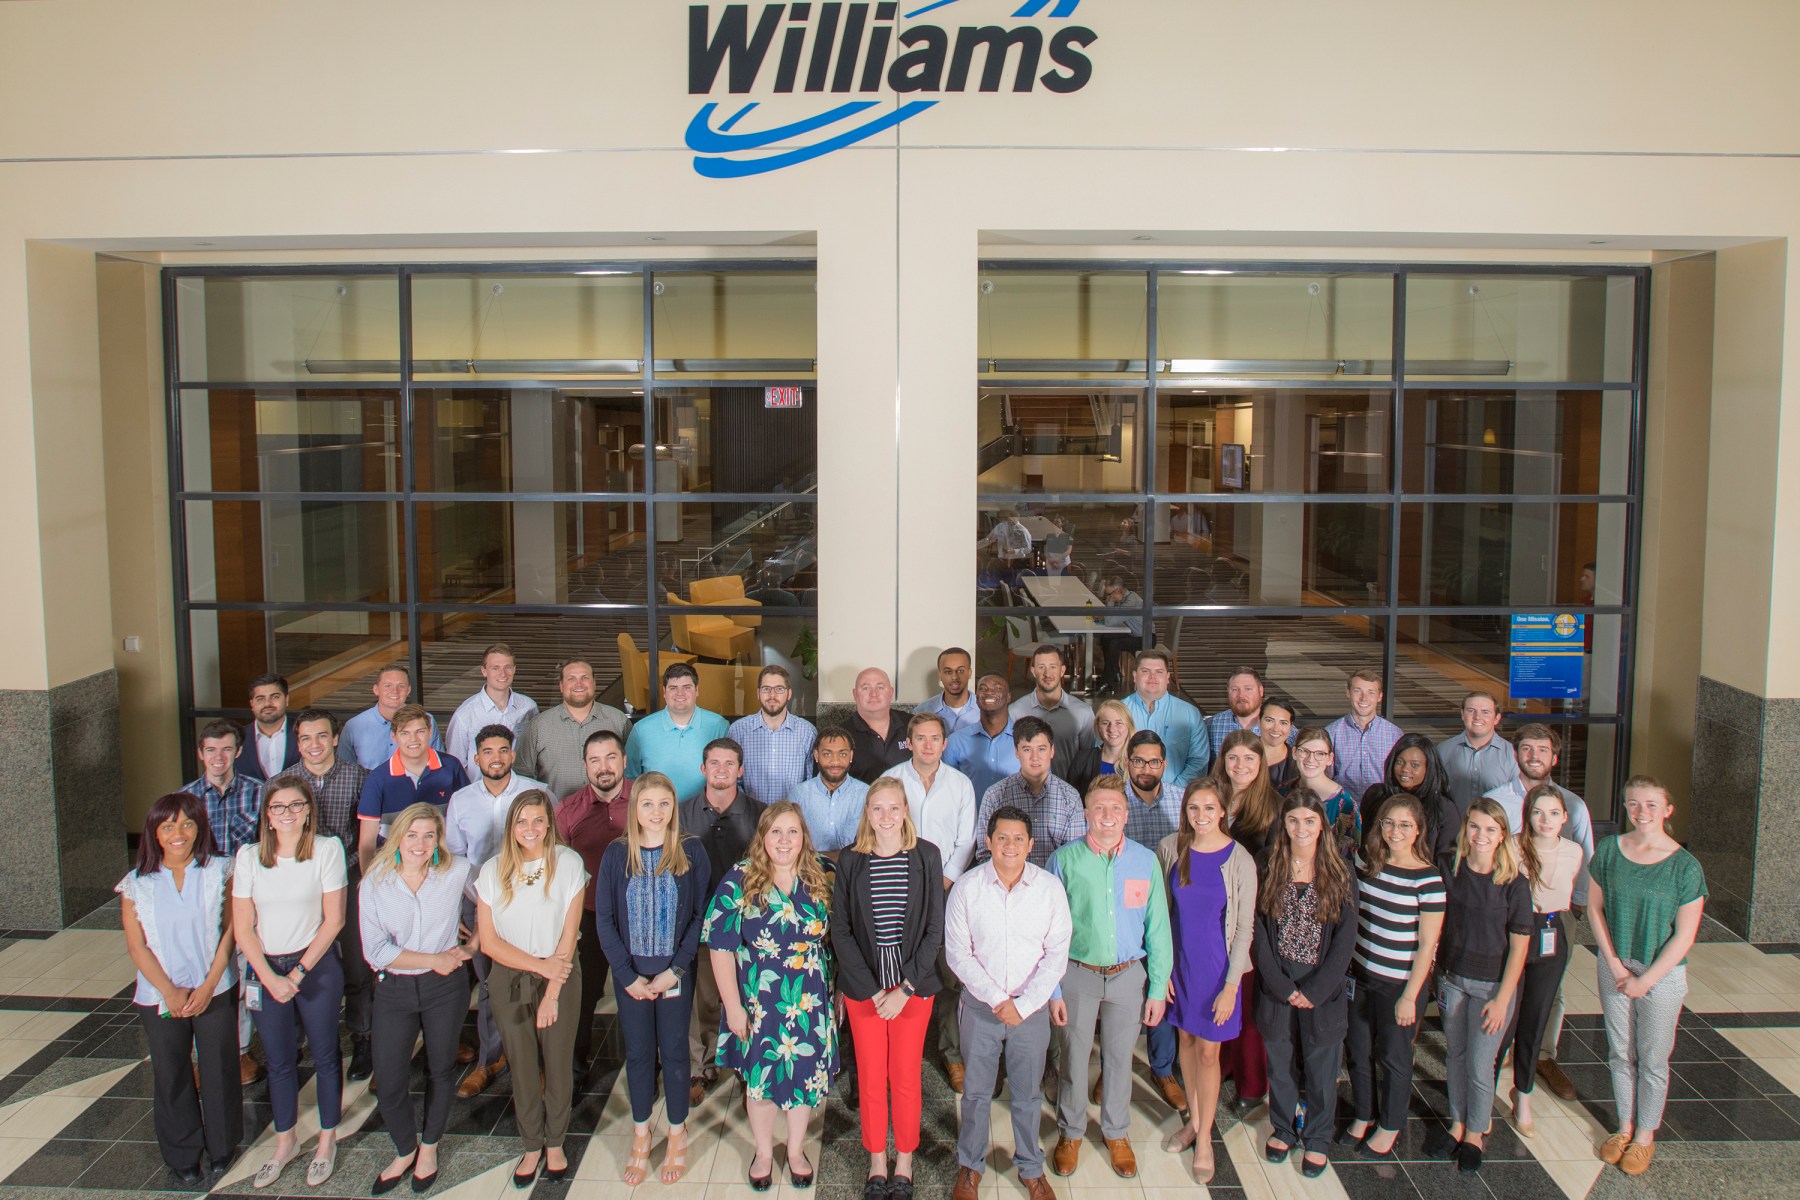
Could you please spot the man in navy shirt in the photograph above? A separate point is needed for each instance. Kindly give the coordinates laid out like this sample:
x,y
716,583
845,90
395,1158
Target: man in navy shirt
x,y
415,773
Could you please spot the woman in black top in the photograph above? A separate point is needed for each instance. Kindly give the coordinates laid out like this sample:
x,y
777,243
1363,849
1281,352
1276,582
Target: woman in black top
x,y
1413,768
887,925
1305,933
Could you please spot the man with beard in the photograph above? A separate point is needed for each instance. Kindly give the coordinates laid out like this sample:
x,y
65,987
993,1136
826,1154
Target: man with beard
x,y
588,820
552,745
955,703
270,746
1243,705
831,802
778,744
1070,719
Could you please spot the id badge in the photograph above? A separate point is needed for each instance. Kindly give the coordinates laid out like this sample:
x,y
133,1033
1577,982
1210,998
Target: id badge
x,y
1547,942
673,991
253,995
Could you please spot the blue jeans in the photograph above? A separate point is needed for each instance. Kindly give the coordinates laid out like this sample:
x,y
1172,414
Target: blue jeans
x,y
316,1007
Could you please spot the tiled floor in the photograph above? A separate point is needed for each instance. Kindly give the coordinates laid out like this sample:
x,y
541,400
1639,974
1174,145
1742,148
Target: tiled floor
x,y
75,1119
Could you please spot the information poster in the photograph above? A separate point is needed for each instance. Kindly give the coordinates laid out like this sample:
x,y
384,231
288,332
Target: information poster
x,y
1546,656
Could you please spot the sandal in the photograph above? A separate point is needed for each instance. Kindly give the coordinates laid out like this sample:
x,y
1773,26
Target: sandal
x,y
637,1163
675,1157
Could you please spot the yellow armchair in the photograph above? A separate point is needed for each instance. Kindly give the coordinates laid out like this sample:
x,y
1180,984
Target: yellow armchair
x,y
707,634
725,589
634,674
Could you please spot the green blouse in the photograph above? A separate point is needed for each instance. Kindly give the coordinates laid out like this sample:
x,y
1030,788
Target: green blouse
x,y
1641,901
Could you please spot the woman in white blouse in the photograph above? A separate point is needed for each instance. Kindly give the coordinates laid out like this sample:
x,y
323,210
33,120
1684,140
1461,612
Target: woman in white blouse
x,y
528,913
287,908
173,906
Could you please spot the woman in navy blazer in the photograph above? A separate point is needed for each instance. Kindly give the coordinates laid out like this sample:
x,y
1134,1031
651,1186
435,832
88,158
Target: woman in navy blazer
x,y
650,897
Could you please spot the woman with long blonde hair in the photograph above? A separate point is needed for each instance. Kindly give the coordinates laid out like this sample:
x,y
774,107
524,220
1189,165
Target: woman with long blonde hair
x,y
649,901
1113,728
766,932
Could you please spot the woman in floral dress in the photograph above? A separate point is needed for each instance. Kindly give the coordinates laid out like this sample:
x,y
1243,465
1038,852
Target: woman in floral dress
x,y
767,933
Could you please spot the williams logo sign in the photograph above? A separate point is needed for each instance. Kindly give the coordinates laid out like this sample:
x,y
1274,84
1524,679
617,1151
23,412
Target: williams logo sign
x,y
833,51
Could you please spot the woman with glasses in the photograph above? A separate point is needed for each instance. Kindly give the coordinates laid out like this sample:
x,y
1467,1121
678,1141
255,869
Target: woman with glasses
x,y
287,904
1314,756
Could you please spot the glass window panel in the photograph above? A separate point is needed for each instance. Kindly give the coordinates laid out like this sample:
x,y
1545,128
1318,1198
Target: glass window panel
x,y
528,326
1518,443
1541,328
1513,554
1308,660
531,552
1299,326
769,550
1273,440
295,551
727,439
1440,659
736,324
287,327
1271,554
1069,324
1059,441
528,440
1083,544
330,658
452,644
306,440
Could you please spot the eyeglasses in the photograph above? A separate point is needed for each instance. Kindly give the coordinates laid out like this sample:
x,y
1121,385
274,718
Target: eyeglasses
x,y
1312,755
298,806
1146,762
773,690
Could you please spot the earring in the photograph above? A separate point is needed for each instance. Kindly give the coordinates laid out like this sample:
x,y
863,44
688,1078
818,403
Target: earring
x,y
396,857
434,857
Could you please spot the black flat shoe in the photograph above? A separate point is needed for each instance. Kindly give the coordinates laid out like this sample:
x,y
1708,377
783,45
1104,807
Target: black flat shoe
x,y
1346,1138
798,1180
1243,1105
422,1183
522,1179
1468,1158
1385,1155
557,1174
875,1187
383,1184
763,1182
1311,1169
187,1175
900,1187
1274,1153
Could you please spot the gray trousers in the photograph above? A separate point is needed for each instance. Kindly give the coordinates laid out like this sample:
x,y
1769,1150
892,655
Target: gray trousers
x,y
1471,1054
1116,1004
487,1030
1640,1036
944,1012
703,1025
985,1038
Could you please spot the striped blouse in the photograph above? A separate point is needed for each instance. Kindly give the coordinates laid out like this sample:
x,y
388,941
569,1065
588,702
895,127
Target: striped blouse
x,y
1387,936
888,895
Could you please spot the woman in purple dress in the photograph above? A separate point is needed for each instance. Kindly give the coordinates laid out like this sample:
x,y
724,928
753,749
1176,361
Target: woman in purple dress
x,y
1212,890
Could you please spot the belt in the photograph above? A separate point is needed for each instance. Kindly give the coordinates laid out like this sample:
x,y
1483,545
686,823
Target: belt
x,y
1112,970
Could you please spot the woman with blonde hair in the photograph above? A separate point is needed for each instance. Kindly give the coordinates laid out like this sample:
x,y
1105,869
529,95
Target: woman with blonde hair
x,y
1487,922
887,925
650,898
409,905
1113,728
766,931
528,914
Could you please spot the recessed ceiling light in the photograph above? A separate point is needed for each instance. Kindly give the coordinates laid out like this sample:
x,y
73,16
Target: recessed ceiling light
x,y
1596,241
655,237
1143,237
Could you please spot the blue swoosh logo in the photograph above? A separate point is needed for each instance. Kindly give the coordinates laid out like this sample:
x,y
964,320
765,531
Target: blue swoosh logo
x,y
1031,8
711,144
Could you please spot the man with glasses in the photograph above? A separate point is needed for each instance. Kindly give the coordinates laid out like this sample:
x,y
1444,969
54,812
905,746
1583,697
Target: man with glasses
x,y
1070,719
777,743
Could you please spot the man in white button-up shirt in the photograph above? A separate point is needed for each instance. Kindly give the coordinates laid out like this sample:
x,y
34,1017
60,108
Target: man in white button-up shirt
x,y
1006,936
495,704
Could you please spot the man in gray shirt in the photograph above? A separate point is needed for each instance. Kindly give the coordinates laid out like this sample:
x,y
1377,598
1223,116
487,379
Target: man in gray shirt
x,y
1477,760
1070,719
552,744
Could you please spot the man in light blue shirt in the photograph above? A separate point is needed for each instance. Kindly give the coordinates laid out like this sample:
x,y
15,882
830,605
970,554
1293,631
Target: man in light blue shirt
x,y
985,752
778,744
674,739
831,801
370,734
955,703
1171,718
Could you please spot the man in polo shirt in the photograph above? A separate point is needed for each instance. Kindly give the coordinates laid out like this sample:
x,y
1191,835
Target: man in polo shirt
x,y
1054,806
777,742
724,818
1120,956
1477,760
551,745
984,752
1244,694
877,732
589,820
1070,719
337,785
831,802
269,745
370,733
674,739
1362,739
415,774
1152,812
956,704
494,704
1171,718
942,803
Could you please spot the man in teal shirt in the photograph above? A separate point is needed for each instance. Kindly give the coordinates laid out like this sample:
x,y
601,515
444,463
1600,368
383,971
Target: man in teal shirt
x,y
1120,957
674,740
1178,723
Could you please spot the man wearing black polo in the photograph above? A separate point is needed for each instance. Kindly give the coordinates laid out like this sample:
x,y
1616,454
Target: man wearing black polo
x,y
877,733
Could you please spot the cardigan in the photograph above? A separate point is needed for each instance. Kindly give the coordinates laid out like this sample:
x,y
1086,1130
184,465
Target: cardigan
x,y
853,923
1240,902
693,889
1325,981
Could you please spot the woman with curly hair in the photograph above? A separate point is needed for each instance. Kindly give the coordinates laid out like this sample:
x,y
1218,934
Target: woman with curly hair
x,y
766,932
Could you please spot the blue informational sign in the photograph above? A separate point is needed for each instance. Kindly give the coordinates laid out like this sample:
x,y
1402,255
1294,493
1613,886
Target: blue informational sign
x,y
1546,656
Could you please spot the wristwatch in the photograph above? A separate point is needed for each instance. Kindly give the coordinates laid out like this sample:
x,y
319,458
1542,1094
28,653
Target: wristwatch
x,y
907,987
680,973
300,967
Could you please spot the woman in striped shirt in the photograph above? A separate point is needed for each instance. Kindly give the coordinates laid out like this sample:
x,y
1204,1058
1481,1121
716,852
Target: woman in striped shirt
x,y
1401,904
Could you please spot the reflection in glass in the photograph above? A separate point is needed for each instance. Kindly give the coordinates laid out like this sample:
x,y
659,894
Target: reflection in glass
x,y
765,552
295,551
727,439
736,324
1292,326
1440,659
1518,443
1306,659
1273,440
1020,545
1512,554
305,440
452,645
528,326
1271,554
268,328
531,552
527,440
1059,441
1541,328
330,658
1072,324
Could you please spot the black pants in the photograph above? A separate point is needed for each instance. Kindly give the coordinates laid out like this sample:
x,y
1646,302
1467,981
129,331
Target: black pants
x,y
655,1029
212,1118
1305,1047
590,960
406,1006
1380,1045
358,979
1537,996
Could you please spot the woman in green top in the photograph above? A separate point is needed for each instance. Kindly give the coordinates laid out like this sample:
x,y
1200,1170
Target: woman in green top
x,y
1645,906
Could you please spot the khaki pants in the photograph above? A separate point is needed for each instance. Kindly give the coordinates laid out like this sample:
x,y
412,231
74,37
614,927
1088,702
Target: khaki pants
x,y
542,1111
703,1027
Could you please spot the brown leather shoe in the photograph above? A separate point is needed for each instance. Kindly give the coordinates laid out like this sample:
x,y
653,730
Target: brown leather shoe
x,y
1559,1084
1038,1188
1067,1154
968,1184
465,1054
478,1078
955,1072
1124,1162
699,1084
1171,1090
249,1070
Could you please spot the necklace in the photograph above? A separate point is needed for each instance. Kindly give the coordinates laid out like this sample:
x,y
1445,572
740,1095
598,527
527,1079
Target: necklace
x,y
531,879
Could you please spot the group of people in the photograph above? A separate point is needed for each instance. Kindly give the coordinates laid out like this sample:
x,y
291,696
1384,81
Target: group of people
x,y
808,908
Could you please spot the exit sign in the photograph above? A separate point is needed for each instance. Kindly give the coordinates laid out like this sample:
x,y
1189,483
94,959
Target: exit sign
x,y
782,397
